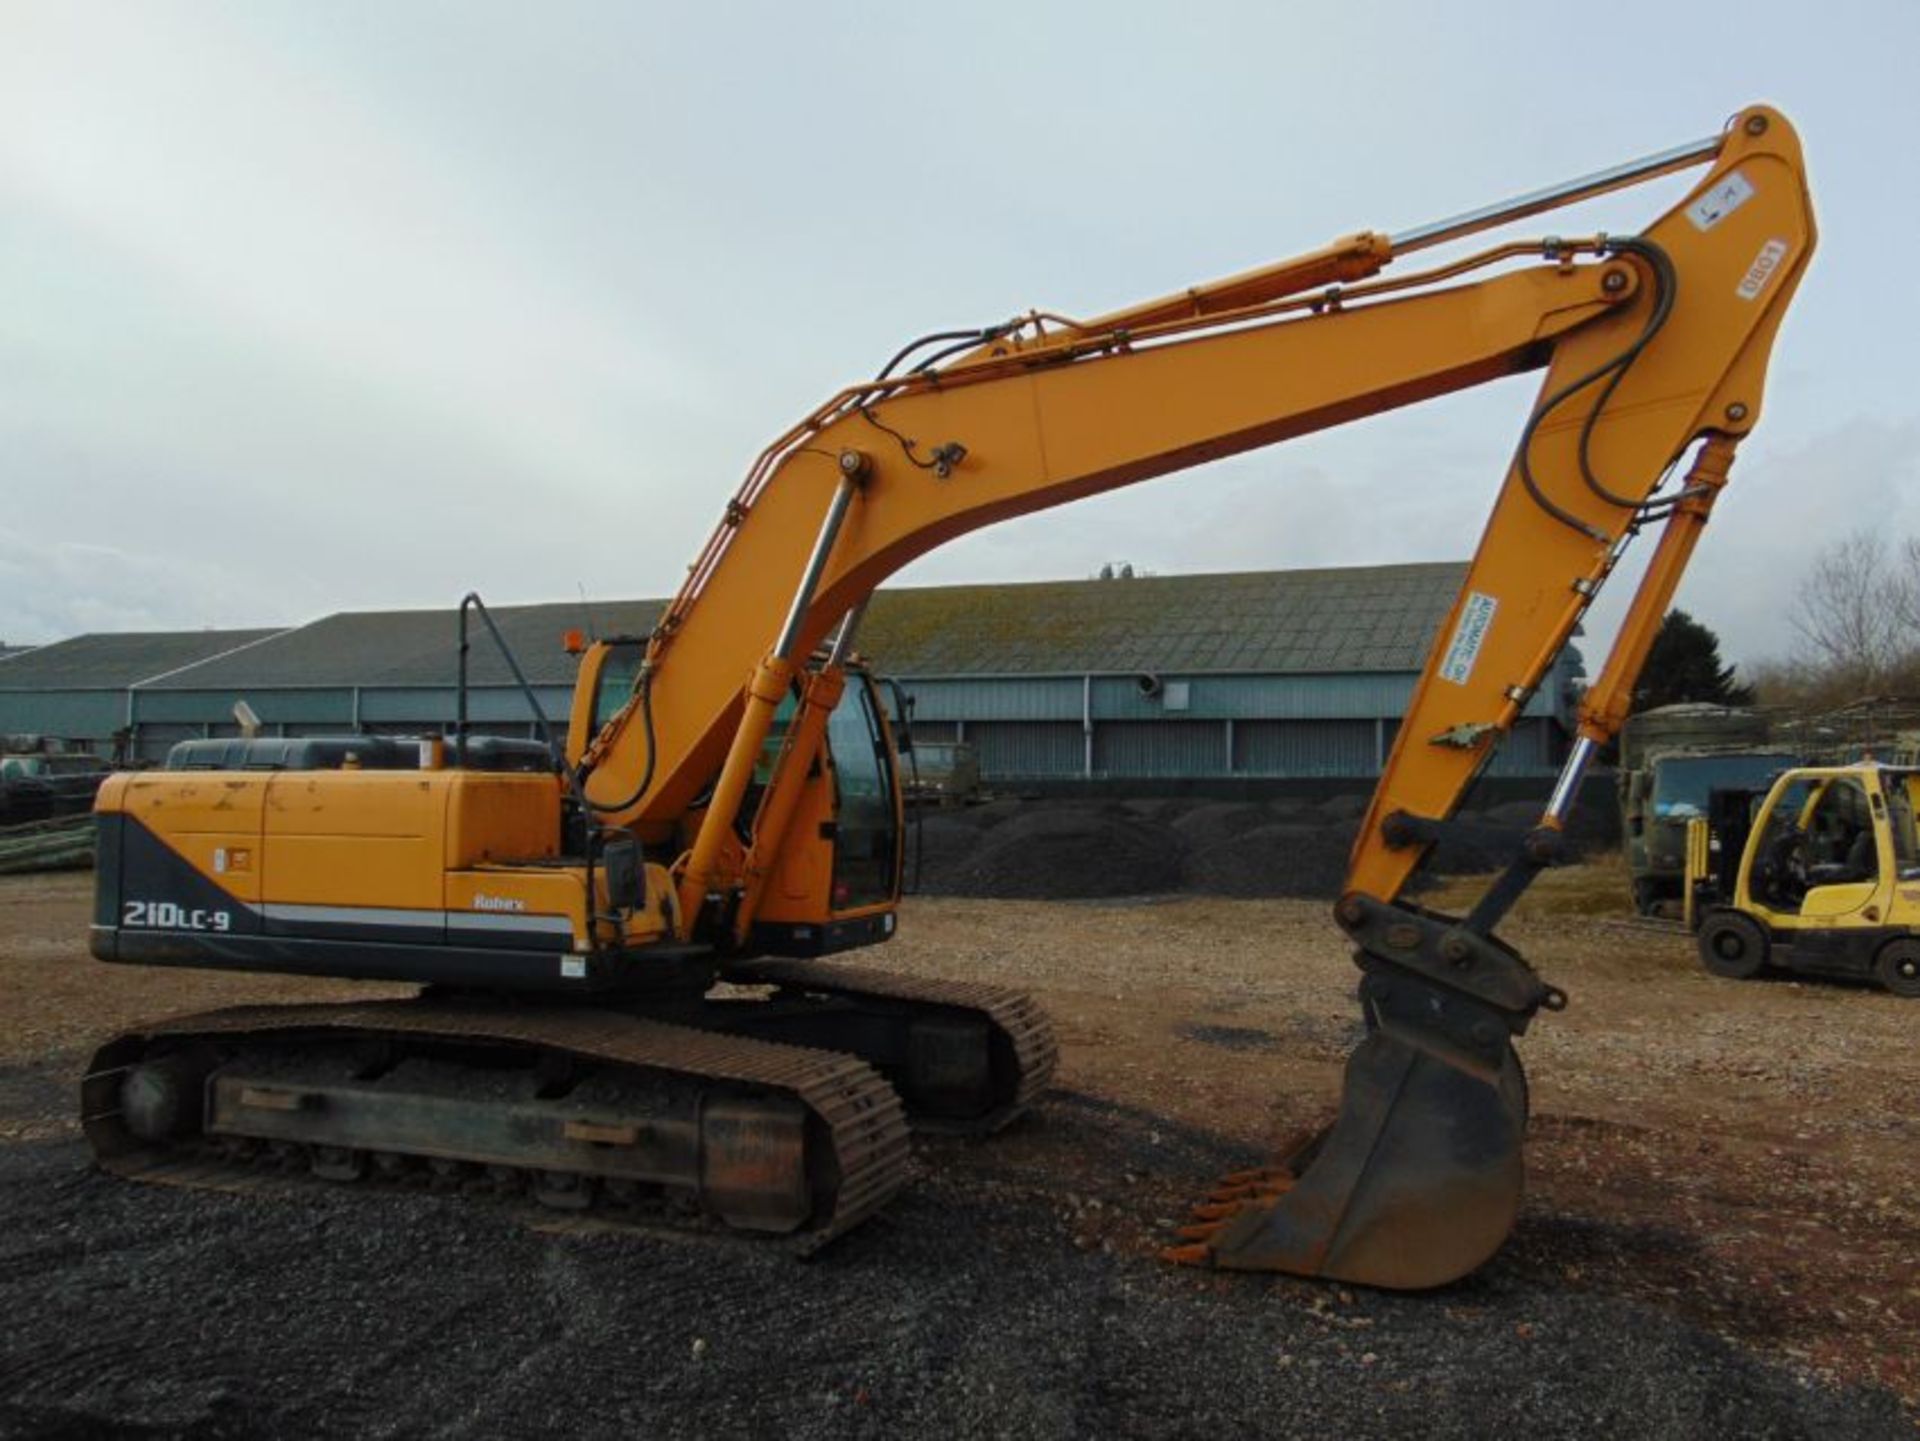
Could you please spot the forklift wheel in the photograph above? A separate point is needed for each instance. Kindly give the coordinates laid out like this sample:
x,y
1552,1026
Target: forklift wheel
x,y
1734,945
1897,967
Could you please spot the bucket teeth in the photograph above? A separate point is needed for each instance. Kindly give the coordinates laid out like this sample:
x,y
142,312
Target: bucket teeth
x,y
1238,1191
1415,1183
1241,1187
1253,1190
1200,1231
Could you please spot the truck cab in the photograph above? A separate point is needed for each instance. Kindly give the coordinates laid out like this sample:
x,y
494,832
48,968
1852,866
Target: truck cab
x,y
1670,789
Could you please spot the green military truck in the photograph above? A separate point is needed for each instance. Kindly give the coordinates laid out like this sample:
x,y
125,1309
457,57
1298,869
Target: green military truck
x,y
1672,758
944,773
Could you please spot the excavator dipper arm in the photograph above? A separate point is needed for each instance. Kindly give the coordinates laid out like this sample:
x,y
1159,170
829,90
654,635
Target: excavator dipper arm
x,y
1650,344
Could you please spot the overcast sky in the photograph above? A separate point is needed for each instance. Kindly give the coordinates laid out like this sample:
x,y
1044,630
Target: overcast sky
x,y
307,307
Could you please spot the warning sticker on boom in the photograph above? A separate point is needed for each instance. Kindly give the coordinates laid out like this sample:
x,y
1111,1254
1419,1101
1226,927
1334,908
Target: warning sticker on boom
x,y
1476,619
1731,192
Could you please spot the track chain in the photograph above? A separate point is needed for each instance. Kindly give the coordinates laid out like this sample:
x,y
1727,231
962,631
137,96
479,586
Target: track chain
x,y
863,1114
1017,1015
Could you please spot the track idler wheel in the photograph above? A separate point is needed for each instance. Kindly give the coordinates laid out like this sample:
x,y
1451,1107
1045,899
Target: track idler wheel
x,y
1415,1184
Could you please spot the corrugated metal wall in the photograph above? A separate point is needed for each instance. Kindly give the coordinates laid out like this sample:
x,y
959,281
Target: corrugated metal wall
x,y
926,730
1307,725
1015,750
1159,748
1009,749
1305,748
1010,698
1177,726
1528,751
1208,697
70,714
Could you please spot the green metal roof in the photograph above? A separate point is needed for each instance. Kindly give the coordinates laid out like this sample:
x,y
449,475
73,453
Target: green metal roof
x,y
416,648
114,660
1372,618
1356,619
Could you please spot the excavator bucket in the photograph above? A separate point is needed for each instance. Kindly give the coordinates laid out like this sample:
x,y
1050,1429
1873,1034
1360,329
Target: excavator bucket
x,y
1415,1184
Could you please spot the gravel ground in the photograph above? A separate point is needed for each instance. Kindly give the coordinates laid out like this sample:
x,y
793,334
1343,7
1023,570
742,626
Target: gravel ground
x,y
1717,1241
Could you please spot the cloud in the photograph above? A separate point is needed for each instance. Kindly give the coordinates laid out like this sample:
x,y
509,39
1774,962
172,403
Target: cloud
x,y
310,307
48,591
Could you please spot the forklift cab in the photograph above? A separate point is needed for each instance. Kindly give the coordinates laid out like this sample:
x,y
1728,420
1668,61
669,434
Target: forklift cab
x,y
1827,879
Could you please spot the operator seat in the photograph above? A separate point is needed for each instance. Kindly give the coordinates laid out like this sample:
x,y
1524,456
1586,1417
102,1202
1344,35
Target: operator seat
x,y
1859,864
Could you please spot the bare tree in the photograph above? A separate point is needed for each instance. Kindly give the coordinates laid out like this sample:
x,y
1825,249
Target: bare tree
x,y
1908,593
1855,614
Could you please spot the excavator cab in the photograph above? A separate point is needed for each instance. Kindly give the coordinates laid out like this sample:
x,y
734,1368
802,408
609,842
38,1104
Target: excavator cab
x,y
819,822
846,865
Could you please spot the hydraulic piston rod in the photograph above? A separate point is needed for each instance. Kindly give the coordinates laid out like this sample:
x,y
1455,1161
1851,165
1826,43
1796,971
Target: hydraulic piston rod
x,y
1614,177
765,690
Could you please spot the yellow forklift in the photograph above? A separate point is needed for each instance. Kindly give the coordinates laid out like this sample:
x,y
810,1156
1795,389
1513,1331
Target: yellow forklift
x,y
1817,875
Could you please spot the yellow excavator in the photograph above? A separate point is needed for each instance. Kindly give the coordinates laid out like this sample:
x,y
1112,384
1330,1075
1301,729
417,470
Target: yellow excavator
x,y
725,805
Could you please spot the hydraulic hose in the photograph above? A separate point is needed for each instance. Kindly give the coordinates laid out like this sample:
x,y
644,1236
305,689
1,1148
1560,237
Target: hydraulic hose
x,y
1612,371
646,776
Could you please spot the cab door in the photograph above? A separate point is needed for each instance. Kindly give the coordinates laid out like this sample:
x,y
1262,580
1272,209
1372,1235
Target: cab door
x,y
866,850
1843,854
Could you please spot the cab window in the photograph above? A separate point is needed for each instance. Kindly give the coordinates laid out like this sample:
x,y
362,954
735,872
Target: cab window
x,y
866,839
1906,844
1819,834
1840,834
615,686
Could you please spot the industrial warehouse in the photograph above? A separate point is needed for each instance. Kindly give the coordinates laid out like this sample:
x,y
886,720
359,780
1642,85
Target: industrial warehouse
x,y
1269,675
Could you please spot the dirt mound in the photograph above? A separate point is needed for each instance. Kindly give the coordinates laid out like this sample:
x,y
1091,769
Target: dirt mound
x,y
1348,807
1522,815
1589,828
1068,853
943,844
1219,821
1474,848
1274,860
1163,808
994,812
1073,849
973,818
